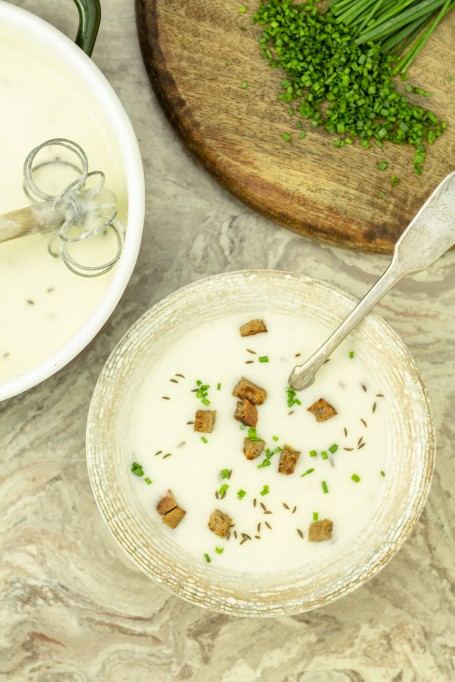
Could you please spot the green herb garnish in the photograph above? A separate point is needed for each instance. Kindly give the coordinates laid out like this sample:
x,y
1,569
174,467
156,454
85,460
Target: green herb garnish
x,y
355,478
315,516
241,494
223,490
333,448
324,487
275,438
286,137
225,473
264,358
394,180
148,480
137,469
202,392
351,354
207,558
268,456
382,473
308,471
313,453
244,85
219,550
292,399
243,9
218,387
324,455
265,490
252,435
382,165
204,439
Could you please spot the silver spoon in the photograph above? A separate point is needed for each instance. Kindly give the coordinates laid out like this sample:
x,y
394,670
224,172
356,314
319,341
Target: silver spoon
x,y
429,234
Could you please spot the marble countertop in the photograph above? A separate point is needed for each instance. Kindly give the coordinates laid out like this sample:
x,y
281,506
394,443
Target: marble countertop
x,y
73,608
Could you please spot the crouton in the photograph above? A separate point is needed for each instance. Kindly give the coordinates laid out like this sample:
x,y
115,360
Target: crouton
x,y
253,448
246,389
204,421
320,530
322,410
173,518
246,413
168,508
219,523
253,327
166,504
288,460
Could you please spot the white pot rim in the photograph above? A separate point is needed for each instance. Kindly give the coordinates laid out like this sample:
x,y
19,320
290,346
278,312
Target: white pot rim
x,y
77,60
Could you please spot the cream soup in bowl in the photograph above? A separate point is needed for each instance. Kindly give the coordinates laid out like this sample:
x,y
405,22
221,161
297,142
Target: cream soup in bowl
x,y
50,89
231,489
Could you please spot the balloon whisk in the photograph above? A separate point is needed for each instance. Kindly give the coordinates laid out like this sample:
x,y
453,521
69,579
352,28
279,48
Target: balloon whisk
x,y
80,212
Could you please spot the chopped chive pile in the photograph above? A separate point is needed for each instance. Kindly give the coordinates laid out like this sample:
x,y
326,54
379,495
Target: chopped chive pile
x,y
264,358
339,68
268,456
241,494
308,471
265,490
292,397
324,487
202,392
355,478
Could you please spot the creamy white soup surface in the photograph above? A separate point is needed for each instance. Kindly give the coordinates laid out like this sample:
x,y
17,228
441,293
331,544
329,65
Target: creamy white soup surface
x,y
263,516
42,303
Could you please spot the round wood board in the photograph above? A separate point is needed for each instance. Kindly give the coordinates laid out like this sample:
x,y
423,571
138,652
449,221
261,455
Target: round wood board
x,y
198,54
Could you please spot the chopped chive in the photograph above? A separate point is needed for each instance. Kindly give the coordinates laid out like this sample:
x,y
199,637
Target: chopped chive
x,y
242,427
324,455
223,490
355,478
265,490
218,387
313,453
241,494
243,9
252,435
381,195
308,471
382,472
324,487
302,135
394,180
275,438
148,480
315,516
206,402
286,137
137,469
244,85
264,358
199,382
333,448
207,558
225,473
351,354
219,550
204,439
382,165
292,399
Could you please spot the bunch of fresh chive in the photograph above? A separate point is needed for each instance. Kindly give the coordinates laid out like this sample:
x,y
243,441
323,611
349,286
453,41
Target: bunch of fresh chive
x,y
395,25
342,79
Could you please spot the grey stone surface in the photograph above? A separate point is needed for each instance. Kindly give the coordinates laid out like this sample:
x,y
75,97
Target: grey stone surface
x,y
72,606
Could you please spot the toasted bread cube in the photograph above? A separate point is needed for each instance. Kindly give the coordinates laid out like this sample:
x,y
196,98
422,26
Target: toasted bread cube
x,y
173,517
288,460
253,327
166,504
169,510
253,448
320,530
219,523
322,410
246,389
204,421
246,413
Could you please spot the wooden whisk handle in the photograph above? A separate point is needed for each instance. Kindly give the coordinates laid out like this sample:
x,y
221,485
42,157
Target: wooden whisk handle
x,y
35,219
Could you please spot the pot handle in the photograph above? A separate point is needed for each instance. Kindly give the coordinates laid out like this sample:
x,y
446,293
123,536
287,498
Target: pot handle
x,y
89,21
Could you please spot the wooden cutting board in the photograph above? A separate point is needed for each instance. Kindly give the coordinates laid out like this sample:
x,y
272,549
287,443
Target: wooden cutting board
x,y
199,54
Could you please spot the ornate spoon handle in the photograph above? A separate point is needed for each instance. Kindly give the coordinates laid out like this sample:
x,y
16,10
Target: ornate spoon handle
x,y
429,234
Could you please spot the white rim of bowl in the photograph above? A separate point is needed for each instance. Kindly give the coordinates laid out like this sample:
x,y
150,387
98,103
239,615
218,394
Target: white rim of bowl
x,y
134,175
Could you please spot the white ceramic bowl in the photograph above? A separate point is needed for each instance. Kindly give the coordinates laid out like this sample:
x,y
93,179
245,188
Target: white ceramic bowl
x,y
57,46
140,534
